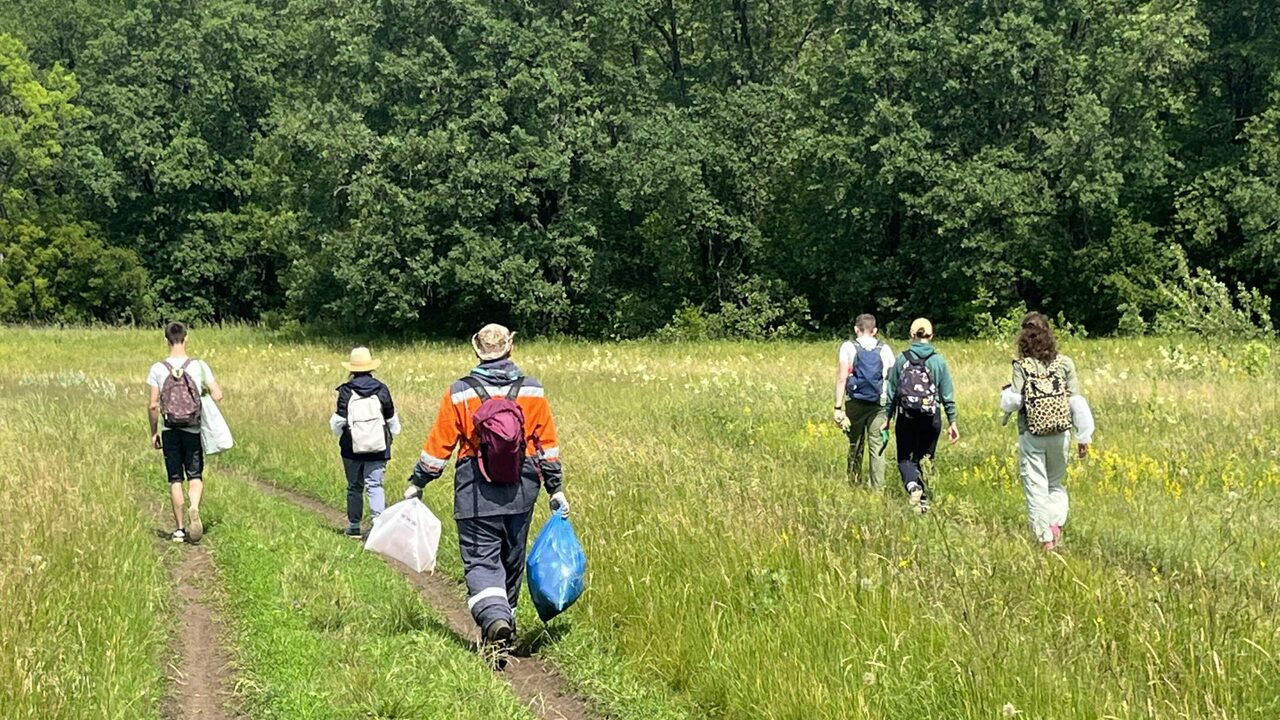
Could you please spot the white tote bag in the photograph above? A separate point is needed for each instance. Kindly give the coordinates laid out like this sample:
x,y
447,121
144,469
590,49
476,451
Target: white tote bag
x,y
215,436
409,532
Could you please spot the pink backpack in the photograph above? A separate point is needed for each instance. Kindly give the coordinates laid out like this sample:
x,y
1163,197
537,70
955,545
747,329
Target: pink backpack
x,y
499,425
179,399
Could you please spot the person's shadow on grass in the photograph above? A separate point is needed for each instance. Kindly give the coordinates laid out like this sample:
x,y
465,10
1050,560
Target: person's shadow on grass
x,y
529,644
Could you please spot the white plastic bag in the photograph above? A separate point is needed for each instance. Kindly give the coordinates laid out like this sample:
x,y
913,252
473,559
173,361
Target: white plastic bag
x,y
215,436
1082,418
409,532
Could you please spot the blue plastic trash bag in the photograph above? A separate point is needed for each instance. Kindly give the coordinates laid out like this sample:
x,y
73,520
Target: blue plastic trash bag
x,y
557,568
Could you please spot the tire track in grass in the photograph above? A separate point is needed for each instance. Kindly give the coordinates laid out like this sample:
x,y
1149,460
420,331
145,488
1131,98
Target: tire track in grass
x,y
536,683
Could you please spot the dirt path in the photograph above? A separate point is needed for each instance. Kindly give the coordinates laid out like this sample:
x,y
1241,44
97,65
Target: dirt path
x,y
536,683
198,670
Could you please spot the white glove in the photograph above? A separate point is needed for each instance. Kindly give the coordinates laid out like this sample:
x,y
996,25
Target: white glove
x,y
413,491
560,504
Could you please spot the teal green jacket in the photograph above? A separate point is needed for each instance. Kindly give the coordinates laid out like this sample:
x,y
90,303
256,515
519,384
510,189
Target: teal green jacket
x,y
937,368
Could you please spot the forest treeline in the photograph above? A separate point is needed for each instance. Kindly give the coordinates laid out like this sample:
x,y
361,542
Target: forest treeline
x,y
617,168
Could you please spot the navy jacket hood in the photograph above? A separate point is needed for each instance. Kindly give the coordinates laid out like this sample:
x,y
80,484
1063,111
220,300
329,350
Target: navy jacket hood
x,y
365,384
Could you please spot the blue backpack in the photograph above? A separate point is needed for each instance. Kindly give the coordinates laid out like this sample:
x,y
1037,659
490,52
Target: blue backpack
x,y
866,381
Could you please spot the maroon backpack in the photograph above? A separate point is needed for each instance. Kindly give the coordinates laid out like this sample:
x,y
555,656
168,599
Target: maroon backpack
x,y
500,440
179,398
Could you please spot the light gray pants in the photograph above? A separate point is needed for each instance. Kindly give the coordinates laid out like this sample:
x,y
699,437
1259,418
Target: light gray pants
x,y
1042,462
364,475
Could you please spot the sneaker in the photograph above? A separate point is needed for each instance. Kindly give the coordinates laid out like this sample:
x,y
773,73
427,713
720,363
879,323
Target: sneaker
x,y
178,535
923,507
352,531
194,525
916,497
1050,546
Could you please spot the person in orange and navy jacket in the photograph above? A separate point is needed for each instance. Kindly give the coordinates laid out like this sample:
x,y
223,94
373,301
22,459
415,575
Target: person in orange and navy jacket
x,y
493,520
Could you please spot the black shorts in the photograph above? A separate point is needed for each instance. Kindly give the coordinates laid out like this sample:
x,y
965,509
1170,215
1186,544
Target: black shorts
x,y
183,455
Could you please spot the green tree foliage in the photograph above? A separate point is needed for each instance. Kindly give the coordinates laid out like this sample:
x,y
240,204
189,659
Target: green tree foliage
x,y
611,168
54,264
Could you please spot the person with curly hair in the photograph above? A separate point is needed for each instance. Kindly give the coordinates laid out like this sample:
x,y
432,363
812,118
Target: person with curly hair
x,y
1045,393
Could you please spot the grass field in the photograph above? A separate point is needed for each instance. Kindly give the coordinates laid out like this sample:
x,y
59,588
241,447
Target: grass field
x,y
733,572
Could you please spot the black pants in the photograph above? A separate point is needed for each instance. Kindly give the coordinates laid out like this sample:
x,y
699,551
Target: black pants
x,y
493,550
917,440
183,455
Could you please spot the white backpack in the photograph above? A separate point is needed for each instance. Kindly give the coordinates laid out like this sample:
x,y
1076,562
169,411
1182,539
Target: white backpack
x,y
368,427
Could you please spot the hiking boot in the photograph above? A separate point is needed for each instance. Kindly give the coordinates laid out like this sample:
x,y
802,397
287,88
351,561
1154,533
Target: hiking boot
x,y
178,535
352,531
195,528
496,647
499,632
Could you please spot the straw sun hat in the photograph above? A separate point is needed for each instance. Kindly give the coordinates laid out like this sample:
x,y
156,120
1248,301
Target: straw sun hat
x,y
492,342
361,361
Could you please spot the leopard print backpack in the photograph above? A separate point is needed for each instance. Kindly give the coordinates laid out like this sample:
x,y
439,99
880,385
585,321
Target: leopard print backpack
x,y
1046,399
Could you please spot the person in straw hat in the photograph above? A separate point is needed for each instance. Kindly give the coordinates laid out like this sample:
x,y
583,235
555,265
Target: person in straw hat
x,y
919,382
493,507
364,422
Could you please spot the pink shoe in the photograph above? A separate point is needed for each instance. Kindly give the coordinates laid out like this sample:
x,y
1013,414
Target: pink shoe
x,y
1057,533
1050,546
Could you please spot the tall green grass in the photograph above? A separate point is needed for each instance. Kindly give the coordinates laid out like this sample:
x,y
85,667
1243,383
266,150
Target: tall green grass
x,y
732,567
317,628
326,631
84,595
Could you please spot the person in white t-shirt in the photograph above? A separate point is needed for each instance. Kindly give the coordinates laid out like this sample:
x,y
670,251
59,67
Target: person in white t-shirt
x,y
183,453
860,399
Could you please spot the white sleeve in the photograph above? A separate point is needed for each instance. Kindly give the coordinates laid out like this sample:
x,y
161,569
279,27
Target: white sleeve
x,y
155,376
394,425
1010,401
1082,418
847,354
887,359
208,372
336,424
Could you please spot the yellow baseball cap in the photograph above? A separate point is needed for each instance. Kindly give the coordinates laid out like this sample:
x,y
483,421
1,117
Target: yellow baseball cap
x,y
921,327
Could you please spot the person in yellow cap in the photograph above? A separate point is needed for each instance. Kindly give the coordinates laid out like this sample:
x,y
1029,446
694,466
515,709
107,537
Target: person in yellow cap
x,y
364,422
919,383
